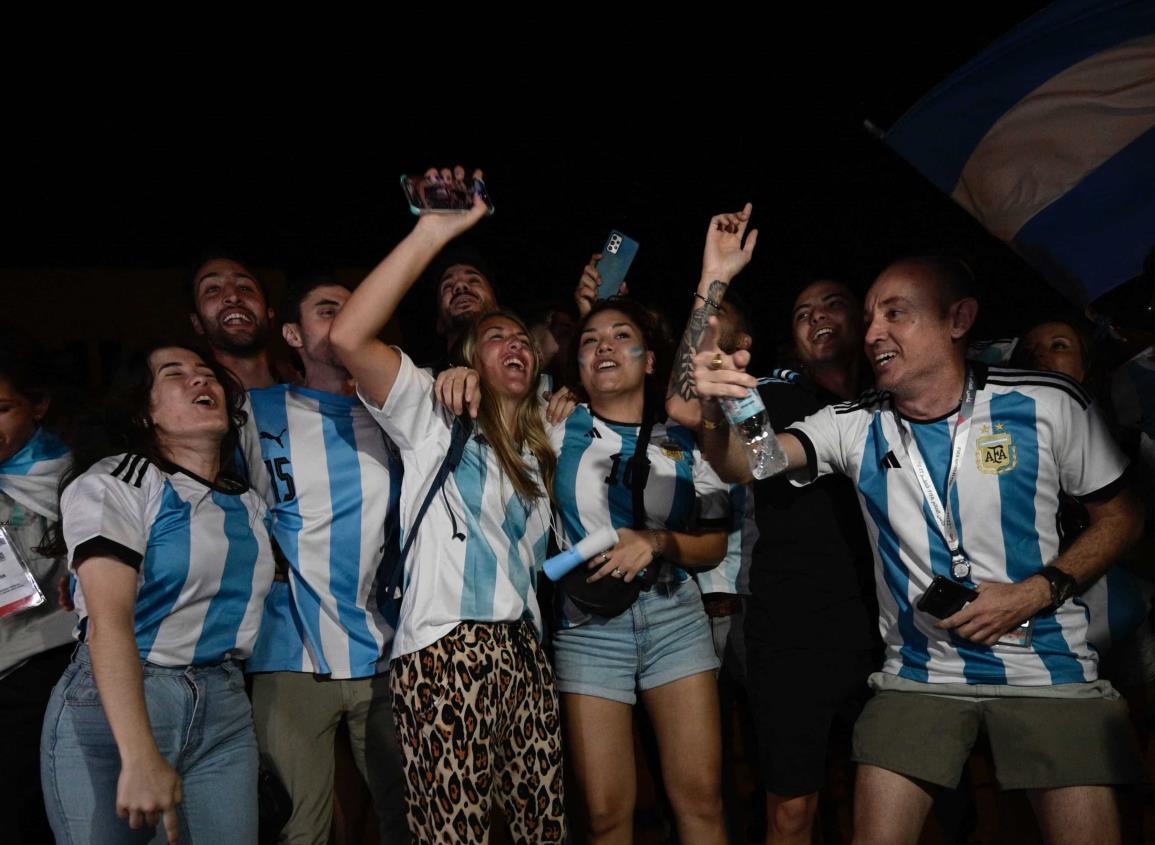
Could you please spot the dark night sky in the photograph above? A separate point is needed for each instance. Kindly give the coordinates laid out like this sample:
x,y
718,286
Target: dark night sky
x,y
312,179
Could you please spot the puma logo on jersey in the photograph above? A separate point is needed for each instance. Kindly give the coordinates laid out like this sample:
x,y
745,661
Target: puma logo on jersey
x,y
277,437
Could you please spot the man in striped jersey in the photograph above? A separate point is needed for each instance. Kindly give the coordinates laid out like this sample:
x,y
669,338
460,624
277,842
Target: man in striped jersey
x,y
332,482
997,446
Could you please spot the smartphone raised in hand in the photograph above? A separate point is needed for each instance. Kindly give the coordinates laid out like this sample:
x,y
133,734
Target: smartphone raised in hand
x,y
443,196
617,256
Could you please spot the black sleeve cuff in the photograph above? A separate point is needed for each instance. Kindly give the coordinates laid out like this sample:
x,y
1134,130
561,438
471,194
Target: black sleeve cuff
x,y
1112,490
721,523
811,456
103,547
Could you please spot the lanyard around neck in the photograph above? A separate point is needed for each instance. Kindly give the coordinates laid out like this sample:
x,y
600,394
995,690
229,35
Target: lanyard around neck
x,y
944,520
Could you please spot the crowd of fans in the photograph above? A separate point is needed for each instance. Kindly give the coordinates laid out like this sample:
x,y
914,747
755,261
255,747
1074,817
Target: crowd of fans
x,y
238,556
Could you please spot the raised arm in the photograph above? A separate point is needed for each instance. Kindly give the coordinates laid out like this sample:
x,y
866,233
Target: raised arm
x,y
724,256
148,788
355,332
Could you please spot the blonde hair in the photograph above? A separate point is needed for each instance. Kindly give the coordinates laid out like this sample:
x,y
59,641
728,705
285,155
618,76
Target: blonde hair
x,y
527,424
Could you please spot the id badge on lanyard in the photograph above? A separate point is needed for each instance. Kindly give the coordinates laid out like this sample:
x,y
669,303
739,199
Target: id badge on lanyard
x,y
960,565
18,588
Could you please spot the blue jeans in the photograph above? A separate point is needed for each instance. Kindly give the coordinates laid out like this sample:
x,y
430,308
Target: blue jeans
x,y
203,726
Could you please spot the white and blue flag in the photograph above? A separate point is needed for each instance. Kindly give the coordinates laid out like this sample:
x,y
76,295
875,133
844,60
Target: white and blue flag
x,y
1048,138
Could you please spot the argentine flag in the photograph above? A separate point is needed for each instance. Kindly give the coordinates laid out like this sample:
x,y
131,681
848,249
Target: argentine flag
x,y
1048,139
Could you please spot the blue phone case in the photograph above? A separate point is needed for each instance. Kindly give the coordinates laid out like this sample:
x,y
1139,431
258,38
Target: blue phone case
x,y
617,255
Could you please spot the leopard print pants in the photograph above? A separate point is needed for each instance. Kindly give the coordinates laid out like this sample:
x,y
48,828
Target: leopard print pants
x,y
478,721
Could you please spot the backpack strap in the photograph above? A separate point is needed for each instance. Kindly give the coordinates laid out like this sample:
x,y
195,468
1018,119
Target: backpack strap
x,y
459,436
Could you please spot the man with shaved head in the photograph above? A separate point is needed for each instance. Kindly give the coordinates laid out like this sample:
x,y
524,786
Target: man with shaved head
x,y
958,468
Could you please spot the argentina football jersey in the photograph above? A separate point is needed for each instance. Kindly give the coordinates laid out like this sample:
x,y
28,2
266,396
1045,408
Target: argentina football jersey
x,y
478,548
732,575
332,483
593,478
201,551
1031,435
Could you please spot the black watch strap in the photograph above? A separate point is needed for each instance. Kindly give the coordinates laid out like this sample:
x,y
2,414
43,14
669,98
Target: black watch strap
x,y
1063,585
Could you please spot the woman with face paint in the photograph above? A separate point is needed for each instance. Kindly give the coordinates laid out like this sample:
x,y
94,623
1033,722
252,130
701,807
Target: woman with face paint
x,y
661,645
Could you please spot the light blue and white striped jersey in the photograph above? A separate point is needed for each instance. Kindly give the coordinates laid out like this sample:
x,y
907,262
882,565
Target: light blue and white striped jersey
x,y
592,487
1117,604
732,575
332,483
1032,435
479,546
1133,397
202,554
29,504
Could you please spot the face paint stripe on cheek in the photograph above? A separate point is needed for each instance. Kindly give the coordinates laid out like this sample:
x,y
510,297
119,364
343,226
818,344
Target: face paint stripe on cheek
x,y
636,352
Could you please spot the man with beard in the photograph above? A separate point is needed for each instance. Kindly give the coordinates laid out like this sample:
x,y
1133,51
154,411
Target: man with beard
x,y
332,481
464,291
230,311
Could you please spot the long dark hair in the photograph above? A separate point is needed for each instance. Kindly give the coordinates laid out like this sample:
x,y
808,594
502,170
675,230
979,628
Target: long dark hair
x,y
123,424
656,337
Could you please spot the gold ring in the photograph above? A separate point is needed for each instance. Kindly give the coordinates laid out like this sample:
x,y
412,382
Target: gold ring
x,y
716,362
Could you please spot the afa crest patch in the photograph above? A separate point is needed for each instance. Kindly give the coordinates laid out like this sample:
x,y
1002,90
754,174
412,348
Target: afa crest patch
x,y
995,453
673,450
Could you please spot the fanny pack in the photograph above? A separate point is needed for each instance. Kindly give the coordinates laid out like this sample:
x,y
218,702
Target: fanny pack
x,y
610,597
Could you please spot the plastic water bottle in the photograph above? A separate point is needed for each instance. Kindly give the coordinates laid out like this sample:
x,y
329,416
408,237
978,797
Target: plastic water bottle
x,y
748,418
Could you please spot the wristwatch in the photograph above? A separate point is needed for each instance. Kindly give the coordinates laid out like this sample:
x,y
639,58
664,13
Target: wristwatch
x,y
1063,586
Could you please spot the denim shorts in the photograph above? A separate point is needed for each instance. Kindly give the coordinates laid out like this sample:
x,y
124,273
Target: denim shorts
x,y
664,637
203,726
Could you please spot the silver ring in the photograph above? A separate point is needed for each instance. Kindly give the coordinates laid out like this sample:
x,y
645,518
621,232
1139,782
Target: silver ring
x,y
617,573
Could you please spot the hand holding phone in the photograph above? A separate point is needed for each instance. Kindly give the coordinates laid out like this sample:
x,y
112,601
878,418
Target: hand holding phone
x,y
616,257
444,191
945,597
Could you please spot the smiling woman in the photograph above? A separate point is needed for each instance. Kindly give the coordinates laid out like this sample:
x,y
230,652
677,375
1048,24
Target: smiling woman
x,y
613,460
173,564
468,671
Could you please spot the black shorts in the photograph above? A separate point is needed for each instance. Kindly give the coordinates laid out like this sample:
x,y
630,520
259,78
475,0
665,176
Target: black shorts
x,y
798,697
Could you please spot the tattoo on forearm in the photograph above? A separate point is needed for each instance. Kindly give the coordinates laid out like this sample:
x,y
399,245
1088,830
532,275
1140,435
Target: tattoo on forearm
x,y
682,379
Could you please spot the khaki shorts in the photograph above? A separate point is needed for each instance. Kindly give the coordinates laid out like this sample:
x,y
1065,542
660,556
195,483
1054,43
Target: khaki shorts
x,y
1038,742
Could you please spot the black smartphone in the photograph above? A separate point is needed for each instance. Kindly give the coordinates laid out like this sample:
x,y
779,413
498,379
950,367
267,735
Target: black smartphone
x,y
946,597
